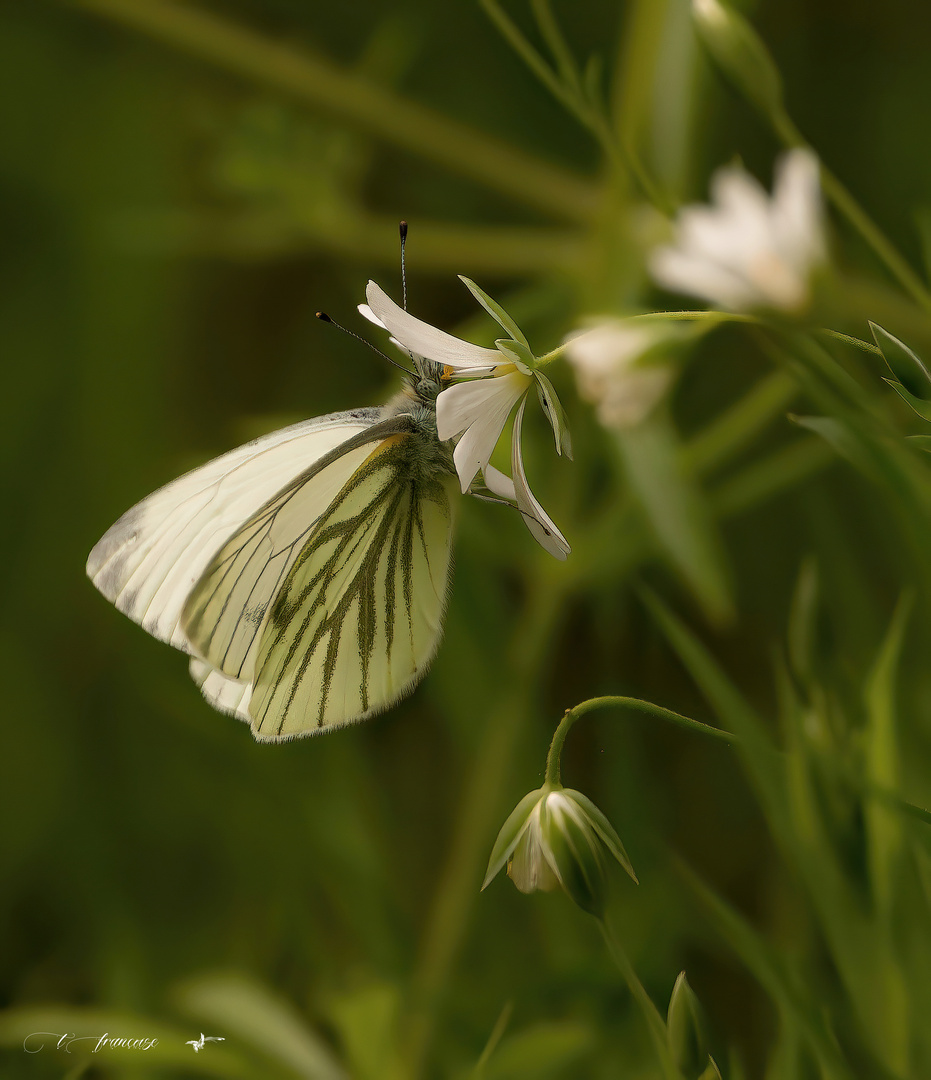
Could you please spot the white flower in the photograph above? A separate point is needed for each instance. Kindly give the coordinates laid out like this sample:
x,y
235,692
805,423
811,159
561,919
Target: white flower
x,y
555,838
749,251
611,373
477,409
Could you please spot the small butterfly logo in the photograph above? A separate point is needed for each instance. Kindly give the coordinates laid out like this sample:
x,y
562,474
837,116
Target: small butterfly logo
x,y
198,1044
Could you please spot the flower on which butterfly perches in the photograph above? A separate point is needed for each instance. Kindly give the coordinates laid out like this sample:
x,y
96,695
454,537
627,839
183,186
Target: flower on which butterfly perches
x,y
749,251
487,384
555,838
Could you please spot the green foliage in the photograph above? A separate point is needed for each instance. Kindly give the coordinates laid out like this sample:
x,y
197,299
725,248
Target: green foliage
x,y
184,185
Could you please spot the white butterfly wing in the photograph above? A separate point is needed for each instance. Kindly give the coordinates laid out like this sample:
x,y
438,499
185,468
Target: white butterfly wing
x,y
224,693
358,618
150,560
226,609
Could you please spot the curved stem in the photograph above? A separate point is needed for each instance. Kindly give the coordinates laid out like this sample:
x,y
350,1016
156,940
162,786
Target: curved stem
x,y
553,775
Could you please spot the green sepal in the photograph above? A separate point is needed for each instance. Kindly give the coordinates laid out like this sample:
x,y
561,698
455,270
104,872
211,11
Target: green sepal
x,y
496,311
923,408
554,412
605,830
685,1030
510,833
575,858
518,354
923,442
904,364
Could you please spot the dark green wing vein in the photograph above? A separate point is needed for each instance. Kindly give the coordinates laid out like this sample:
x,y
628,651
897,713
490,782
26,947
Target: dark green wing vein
x,y
227,607
357,619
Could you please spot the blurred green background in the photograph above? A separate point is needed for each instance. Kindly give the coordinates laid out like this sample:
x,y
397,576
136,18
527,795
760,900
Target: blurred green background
x,y
178,200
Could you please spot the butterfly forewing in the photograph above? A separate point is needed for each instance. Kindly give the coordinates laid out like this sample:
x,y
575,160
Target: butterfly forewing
x,y
149,561
225,612
358,617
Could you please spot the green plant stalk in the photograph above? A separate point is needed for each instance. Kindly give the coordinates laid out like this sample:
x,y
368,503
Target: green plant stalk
x,y
365,238
479,805
352,100
565,85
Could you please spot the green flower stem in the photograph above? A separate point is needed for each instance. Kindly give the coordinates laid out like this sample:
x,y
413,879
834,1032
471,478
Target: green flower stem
x,y
655,1023
553,775
854,342
566,86
354,101
785,128
478,809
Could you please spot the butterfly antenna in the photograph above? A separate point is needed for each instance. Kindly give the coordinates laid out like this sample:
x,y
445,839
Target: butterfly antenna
x,y
402,229
323,317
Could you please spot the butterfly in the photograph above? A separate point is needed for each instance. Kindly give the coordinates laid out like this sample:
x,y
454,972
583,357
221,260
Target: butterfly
x,y
306,573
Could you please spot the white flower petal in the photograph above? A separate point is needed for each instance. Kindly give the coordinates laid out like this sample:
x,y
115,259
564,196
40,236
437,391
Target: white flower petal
x,y
499,483
479,409
366,312
796,207
530,866
426,340
541,526
680,271
460,405
478,441
749,250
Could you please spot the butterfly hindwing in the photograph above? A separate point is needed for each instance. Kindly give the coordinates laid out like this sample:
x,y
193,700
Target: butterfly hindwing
x,y
358,617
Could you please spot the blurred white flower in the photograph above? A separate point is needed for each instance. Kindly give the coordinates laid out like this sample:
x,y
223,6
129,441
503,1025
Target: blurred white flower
x,y
749,251
477,409
612,372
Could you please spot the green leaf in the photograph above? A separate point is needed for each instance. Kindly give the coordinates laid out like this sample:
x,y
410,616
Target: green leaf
x,y
904,364
880,758
733,710
541,1051
802,634
919,405
366,1019
496,311
259,1017
791,994
677,512
685,1029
